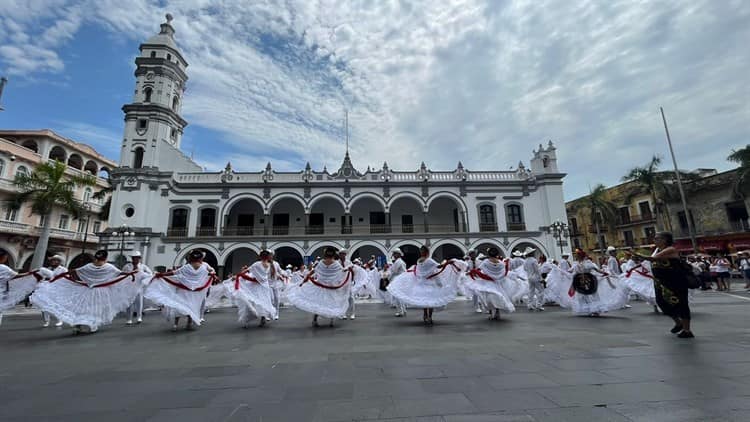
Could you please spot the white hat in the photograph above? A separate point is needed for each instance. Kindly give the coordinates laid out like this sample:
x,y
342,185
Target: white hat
x,y
611,248
135,254
528,251
343,251
481,256
398,251
289,265
57,257
271,251
517,253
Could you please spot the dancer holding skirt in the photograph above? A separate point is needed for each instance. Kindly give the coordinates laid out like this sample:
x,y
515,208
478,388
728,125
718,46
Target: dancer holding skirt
x,y
14,287
253,292
488,281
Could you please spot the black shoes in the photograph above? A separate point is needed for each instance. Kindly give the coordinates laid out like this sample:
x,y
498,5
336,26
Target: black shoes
x,y
676,329
686,334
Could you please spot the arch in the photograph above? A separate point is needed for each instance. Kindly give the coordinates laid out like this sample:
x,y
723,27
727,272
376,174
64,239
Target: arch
x,y
11,262
447,250
243,218
336,197
91,167
209,250
407,194
240,245
370,243
292,245
453,242
21,169
410,249
237,258
363,195
441,215
57,153
104,172
138,153
523,242
147,92
30,144
287,195
75,161
446,194
80,260
87,194
316,249
368,215
288,255
482,244
239,197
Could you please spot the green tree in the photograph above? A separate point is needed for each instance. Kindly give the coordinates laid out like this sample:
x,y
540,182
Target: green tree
x,y
603,211
741,157
653,181
48,188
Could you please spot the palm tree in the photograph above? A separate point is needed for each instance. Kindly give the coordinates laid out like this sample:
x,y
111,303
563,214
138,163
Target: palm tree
x,y
741,157
603,211
47,188
652,180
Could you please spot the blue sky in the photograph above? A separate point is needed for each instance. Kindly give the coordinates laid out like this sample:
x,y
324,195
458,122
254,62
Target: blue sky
x,y
482,82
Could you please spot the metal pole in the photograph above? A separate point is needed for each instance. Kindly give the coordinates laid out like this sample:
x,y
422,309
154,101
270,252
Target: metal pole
x,y
691,229
3,81
85,235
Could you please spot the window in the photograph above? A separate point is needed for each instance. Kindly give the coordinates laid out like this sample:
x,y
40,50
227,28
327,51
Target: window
x,y
169,57
624,214
153,54
684,221
64,221
173,133
11,214
42,220
2,167
650,232
142,124
514,215
87,195
179,218
175,103
22,170
487,221
129,212
138,158
574,225
629,239
147,94
645,210
407,223
97,227
602,242
81,226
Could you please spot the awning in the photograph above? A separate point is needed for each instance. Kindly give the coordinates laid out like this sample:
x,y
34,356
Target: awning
x,y
712,245
683,245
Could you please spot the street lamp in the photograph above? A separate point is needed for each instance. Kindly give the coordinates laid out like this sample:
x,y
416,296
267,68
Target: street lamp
x,y
124,232
560,231
86,209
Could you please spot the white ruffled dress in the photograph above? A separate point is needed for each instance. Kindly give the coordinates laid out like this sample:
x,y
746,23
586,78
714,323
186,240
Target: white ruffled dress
x,y
187,298
92,301
640,281
426,285
252,293
14,290
492,293
609,294
331,301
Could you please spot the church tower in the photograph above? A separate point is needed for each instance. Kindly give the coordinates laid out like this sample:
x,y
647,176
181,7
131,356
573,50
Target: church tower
x,y
153,124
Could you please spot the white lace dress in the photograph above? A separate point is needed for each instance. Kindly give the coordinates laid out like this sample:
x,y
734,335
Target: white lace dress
x,y
640,281
252,293
14,289
93,299
325,291
489,281
609,294
181,293
426,285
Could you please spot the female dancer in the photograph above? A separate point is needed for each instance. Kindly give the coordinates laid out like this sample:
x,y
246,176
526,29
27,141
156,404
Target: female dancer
x,y
428,285
325,291
181,292
669,284
584,292
253,292
488,282
88,297
14,287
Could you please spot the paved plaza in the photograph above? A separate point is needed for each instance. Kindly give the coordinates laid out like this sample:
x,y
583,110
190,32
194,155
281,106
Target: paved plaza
x,y
547,366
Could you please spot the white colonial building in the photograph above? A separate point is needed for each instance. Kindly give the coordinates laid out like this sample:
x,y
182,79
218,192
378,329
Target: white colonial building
x,y
169,205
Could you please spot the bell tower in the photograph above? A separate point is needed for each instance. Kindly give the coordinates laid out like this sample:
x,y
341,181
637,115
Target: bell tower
x,y
153,123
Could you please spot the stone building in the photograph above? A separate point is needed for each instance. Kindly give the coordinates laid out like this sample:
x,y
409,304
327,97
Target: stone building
x,y
20,152
168,205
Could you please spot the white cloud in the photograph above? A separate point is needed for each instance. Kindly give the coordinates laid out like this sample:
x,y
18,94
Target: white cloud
x,y
470,80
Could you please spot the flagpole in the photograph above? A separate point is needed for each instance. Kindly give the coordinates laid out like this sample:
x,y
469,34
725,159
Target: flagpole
x,y
691,229
346,128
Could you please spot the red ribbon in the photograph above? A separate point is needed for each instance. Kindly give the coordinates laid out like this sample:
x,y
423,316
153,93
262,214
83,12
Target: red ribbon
x,y
312,280
478,273
451,263
68,276
643,272
571,291
244,276
165,277
34,273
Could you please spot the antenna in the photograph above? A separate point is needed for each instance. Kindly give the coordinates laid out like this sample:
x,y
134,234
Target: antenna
x,y
346,128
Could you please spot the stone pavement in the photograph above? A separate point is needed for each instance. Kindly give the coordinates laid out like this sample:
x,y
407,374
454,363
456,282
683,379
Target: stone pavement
x,y
547,366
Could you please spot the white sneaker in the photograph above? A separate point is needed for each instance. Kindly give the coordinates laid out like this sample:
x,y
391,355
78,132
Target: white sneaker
x,y
627,307
540,309
342,317
202,320
276,318
174,327
46,324
479,310
139,320
93,329
59,324
351,317
129,322
398,314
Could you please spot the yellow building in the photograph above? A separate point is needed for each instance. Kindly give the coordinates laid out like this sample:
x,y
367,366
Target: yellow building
x,y
21,152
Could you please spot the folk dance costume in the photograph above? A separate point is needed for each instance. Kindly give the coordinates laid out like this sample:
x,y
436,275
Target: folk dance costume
x,y
324,292
534,277
14,287
397,268
471,264
87,297
639,281
545,267
613,268
585,293
253,294
143,274
54,270
489,280
276,279
428,285
182,292
218,292
518,277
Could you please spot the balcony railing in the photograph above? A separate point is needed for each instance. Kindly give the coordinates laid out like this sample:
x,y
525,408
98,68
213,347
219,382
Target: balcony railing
x,y
516,227
635,219
602,228
332,229
487,227
177,232
205,231
13,227
739,225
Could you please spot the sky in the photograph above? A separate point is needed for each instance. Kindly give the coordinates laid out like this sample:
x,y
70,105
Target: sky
x,y
478,81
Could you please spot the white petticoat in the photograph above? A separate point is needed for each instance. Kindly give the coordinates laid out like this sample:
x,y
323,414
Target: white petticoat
x,y
606,298
15,290
640,285
516,284
420,292
253,301
492,294
329,303
75,304
218,292
176,302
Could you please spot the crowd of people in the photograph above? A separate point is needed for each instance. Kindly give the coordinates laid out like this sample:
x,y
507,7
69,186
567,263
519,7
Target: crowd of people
x,y
92,296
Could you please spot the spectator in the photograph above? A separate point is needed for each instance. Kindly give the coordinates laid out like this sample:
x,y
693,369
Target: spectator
x,y
745,268
723,277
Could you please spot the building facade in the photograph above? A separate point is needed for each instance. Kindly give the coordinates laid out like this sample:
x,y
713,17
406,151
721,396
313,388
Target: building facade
x,y
21,152
169,205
